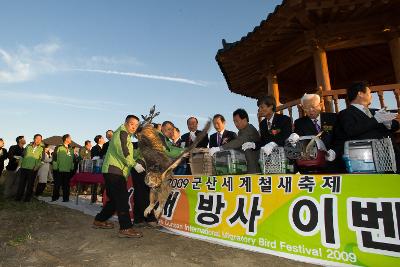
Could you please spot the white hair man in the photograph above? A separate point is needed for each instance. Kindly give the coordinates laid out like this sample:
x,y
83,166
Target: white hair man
x,y
314,123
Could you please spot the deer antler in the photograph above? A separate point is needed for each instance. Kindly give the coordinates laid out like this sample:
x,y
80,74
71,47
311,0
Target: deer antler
x,y
149,118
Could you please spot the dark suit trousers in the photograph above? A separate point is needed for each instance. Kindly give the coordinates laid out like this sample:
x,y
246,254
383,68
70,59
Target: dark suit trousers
x,y
61,179
118,198
141,198
27,181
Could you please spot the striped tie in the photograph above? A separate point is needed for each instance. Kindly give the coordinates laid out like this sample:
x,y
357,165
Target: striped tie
x,y
317,127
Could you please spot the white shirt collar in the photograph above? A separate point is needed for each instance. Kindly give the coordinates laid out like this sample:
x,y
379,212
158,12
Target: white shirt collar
x,y
271,119
221,132
359,106
318,119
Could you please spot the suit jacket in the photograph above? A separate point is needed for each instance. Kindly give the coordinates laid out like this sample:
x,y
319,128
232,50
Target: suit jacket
x,y
104,150
305,126
248,134
97,151
227,136
3,157
178,142
281,129
353,124
186,138
14,150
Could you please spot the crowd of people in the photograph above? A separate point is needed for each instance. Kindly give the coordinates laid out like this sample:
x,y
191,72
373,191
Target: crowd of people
x,y
122,156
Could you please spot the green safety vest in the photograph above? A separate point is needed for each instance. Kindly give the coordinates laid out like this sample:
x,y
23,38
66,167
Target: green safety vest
x,y
84,153
171,150
32,157
64,159
120,153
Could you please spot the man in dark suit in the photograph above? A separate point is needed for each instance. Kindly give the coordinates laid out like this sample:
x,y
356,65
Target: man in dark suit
x,y
109,135
222,136
274,128
189,137
176,138
141,197
313,123
3,155
97,151
98,148
15,153
247,134
358,122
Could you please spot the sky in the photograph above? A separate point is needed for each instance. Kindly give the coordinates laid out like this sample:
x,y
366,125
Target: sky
x,y
80,67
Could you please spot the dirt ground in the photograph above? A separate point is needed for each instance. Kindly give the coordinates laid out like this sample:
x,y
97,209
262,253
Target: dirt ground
x,y
38,234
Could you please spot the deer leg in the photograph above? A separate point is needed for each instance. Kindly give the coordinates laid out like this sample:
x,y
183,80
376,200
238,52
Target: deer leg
x,y
159,210
152,204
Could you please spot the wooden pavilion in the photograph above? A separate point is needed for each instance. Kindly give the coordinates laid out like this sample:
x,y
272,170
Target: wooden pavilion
x,y
317,45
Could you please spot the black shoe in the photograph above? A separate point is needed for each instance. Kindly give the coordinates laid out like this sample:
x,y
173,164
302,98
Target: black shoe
x,y
65,201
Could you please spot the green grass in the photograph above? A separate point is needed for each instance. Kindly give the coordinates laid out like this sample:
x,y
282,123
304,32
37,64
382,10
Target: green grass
x,y
10,204
18,216
20,239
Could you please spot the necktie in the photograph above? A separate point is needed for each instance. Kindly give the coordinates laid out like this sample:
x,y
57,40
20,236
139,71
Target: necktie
x,y
368,112
219,139
317,127
269,125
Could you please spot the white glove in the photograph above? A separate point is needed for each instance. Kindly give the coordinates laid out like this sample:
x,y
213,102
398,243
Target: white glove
x,y
267,149
382,116
330,155
139,168
192,136
213,150
248,145
293,138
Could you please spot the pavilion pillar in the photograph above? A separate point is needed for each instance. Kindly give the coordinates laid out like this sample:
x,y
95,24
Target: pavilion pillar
x,y
273,87
322,75
395,51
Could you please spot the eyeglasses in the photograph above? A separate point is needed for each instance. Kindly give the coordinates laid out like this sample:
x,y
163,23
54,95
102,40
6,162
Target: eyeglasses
x,y
308,108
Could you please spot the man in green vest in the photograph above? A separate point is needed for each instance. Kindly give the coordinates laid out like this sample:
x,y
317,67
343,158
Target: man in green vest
x,y
84,152
166,135
171,149
63,165
30,163
117,166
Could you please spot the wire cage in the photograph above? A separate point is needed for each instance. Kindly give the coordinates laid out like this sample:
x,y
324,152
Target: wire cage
x,y
369,156
201,163
276,162
230,162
